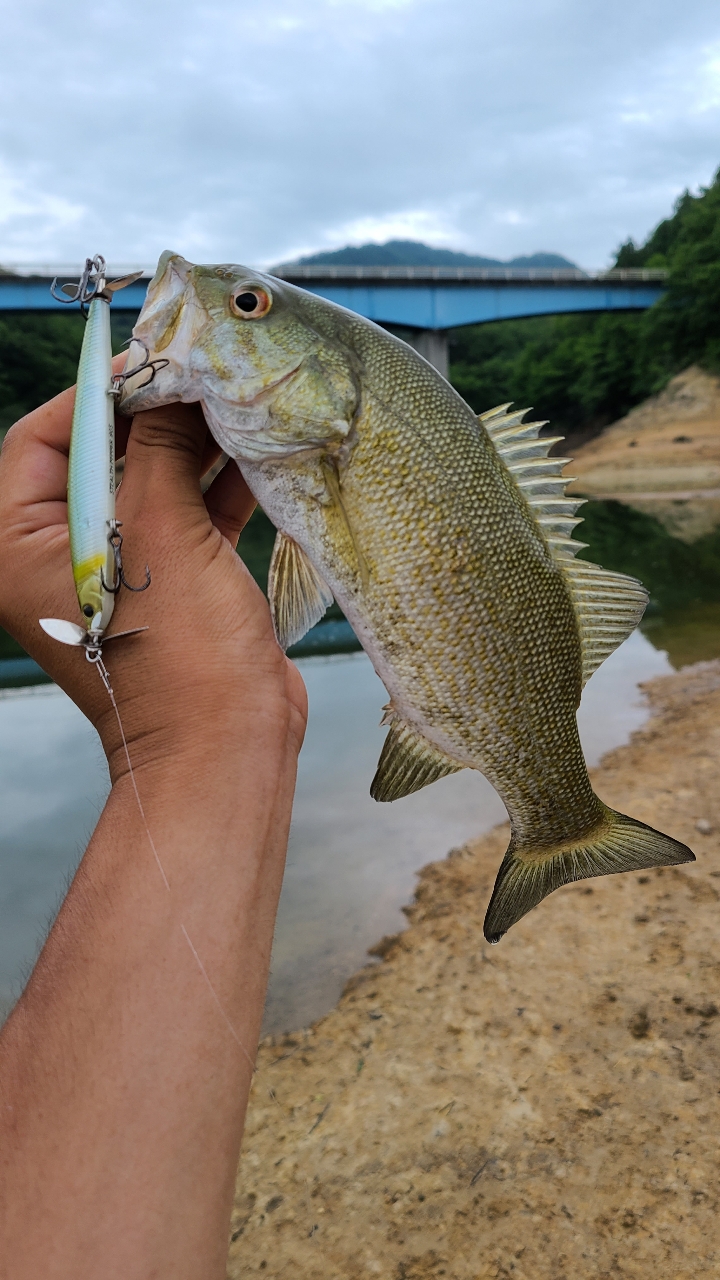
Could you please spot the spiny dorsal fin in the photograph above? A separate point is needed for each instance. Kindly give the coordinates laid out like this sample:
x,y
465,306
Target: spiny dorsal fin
x,y
407,761
608,605
298,596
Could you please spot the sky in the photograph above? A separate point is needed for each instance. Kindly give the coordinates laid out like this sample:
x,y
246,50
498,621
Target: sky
x,y
256,130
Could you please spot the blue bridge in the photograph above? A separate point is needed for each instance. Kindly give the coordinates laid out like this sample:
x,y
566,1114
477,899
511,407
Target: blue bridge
x,y
424,302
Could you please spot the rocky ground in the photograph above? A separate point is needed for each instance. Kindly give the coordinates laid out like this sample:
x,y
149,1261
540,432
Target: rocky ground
x,y
546,1109
663,458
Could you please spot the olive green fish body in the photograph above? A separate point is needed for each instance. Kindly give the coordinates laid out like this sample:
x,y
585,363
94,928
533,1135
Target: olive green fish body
x,y
465,613
445,540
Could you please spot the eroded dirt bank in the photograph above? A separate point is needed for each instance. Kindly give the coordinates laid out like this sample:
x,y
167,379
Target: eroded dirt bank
x,y
663,458
547,1109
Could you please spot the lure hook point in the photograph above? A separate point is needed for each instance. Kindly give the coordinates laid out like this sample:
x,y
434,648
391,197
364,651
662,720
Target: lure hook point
x,y
90,285
115,539
153,366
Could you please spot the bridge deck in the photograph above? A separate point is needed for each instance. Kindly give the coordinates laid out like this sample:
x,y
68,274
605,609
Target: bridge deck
x,y
422,298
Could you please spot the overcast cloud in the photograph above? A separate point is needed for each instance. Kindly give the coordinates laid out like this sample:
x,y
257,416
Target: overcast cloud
x,y
254,130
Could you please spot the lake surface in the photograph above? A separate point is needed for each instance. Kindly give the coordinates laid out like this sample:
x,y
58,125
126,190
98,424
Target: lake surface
x,y
351,862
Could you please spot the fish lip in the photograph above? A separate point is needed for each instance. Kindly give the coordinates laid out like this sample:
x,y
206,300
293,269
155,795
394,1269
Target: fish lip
x,y
150,394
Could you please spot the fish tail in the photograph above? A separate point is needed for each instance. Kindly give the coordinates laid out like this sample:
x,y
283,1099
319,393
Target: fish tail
x,y
528,873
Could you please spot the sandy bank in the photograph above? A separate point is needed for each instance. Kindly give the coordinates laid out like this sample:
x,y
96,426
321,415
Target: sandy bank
x,y
663,458
544,1110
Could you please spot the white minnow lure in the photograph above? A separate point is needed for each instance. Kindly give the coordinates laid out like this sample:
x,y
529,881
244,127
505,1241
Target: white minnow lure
x,y
95,538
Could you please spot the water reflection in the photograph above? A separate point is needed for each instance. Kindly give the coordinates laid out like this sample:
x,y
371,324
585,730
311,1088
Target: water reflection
x,y
682,574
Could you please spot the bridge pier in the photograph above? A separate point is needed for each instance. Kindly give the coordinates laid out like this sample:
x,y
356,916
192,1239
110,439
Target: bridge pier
x,y
433,345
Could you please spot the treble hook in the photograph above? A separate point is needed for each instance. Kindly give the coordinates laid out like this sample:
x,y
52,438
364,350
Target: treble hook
x,y
91,283
119,379
115,539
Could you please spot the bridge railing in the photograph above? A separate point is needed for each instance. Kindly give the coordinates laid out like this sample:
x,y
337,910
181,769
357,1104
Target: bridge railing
x,y
544,275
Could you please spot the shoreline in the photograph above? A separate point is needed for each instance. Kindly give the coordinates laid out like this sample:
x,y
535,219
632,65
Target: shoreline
x,y
543,1109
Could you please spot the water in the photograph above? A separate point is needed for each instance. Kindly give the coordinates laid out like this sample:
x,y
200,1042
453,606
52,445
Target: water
x,y
53,783
351,862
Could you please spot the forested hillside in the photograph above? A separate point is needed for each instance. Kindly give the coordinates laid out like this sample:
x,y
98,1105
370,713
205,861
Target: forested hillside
x,y
582,372
412,253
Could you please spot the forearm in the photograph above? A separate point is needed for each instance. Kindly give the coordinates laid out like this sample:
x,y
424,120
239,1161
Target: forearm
x,y
124,1077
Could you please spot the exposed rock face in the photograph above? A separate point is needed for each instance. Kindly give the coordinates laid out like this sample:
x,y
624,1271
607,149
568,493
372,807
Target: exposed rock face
x,y
663,458
546,1109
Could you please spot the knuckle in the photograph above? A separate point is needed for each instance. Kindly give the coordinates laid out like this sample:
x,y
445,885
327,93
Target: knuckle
x,y
13,436
172,427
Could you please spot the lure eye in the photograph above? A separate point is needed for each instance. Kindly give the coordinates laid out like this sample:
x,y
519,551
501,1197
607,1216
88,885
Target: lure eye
x,y
251,304
88,610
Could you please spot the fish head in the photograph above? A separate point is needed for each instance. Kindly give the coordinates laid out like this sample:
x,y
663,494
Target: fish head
x,y
264,359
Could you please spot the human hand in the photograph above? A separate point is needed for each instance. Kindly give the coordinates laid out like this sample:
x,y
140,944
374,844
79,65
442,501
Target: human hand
x,y
209,666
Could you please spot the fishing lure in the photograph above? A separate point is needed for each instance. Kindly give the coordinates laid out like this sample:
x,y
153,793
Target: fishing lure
x,y
95,537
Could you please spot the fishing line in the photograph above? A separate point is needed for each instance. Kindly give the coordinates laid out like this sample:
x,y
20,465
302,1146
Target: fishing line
x,y
105,677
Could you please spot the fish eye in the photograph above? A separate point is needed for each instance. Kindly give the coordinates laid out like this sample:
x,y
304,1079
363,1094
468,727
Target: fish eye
x,y
88,610
250,304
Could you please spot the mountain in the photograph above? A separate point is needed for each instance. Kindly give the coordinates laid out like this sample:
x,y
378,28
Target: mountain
x,y
412,253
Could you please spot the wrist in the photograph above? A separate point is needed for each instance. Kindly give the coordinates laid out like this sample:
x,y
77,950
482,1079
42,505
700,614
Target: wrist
x,y
198,729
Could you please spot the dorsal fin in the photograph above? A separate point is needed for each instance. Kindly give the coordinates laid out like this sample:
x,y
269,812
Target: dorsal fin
x,y
608,605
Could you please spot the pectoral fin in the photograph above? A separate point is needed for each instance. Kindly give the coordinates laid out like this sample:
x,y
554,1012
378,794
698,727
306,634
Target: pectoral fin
x,y
298,596
407,762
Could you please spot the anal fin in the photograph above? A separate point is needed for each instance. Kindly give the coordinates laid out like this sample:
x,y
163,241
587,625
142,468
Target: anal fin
x,y
407,762
297,593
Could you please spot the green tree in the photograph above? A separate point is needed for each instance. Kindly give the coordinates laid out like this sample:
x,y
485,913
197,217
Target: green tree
x,y
39,355
585,371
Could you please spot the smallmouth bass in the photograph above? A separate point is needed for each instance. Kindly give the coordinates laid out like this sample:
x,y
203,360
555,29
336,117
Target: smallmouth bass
x,y
446,540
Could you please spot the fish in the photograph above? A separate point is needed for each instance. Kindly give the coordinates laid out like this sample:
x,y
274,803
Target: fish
x,y
446,539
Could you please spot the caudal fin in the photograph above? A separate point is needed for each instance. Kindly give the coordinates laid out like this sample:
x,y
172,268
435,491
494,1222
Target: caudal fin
x,y
528,875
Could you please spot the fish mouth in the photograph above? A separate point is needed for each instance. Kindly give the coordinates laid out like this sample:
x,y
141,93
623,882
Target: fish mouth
x,y
161,349
167,327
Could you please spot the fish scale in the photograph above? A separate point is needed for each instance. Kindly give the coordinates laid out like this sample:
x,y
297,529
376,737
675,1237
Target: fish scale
x,y
446,539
